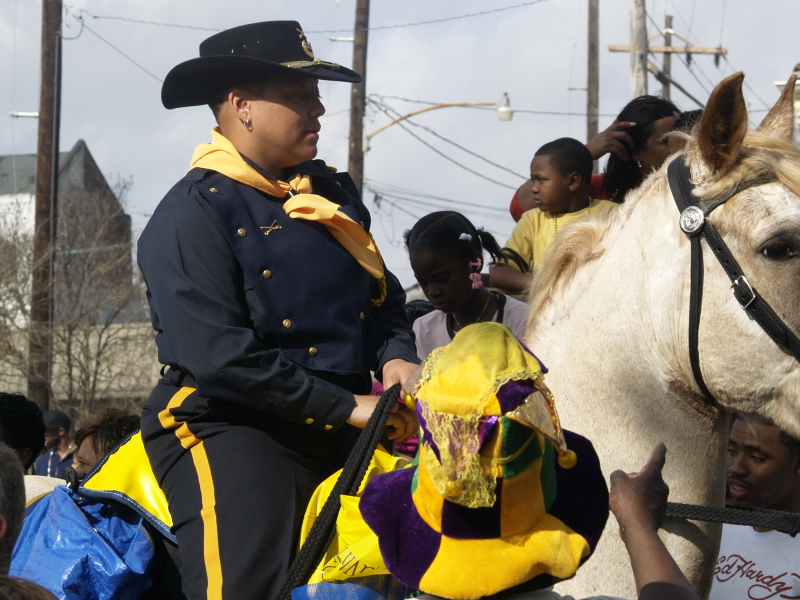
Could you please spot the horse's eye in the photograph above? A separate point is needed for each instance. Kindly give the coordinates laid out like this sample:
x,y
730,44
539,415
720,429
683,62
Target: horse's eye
x,y
778,251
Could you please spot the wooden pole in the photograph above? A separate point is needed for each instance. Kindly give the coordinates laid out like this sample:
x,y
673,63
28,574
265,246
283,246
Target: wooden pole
x,y
593,73
358,95
638,48
39,329
665,91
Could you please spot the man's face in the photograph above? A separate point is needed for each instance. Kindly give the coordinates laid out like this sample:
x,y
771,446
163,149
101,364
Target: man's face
x,y
53,436
286,121
761,471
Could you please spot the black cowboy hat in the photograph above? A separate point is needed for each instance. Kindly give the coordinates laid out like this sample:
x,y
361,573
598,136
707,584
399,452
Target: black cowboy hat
x,y
245,53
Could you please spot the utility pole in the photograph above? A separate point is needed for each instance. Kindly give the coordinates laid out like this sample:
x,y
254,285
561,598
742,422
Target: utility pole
x,y
638,48
39,329
593,70
665,76
358,95
665,92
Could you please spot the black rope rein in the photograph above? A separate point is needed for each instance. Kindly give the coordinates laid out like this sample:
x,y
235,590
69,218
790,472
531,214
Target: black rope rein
x,y
738,515
324,528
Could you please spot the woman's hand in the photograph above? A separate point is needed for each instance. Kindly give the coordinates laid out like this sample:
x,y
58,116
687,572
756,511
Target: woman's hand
x,y
397,371
614,140
402,420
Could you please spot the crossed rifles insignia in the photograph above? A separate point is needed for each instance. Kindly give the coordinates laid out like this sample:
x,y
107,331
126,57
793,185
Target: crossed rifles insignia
x,y
270,228
304,42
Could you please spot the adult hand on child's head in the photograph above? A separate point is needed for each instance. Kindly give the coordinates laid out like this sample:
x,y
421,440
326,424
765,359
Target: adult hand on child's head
x,y
639,500
614,139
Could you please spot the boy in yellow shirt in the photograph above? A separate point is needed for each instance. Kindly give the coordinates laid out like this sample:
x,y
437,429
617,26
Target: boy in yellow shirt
x,y
561,171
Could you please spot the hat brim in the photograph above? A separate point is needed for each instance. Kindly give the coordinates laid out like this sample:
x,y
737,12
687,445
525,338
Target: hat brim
x,y
200,80
423,558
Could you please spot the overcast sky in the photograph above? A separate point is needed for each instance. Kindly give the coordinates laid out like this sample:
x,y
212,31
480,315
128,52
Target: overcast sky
x,y
115,55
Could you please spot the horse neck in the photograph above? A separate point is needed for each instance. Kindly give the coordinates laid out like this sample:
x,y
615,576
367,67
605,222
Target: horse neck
x,y
624,299
614,340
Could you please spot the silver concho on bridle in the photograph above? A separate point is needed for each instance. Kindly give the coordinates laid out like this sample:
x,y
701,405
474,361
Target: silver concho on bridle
x,y
692,220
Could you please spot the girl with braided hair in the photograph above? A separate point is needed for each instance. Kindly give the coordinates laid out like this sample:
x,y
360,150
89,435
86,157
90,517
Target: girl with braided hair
x,y
446,252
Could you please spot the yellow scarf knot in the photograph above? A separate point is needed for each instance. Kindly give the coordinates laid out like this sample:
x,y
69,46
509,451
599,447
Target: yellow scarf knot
x,y
221,156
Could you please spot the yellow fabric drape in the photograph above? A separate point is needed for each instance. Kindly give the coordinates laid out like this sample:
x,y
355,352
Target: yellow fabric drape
x,y
221,156
354,551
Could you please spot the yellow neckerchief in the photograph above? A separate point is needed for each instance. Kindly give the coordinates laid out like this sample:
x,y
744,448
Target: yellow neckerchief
x,y
221,156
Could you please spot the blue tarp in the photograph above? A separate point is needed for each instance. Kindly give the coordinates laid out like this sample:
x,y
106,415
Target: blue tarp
x,y
81,548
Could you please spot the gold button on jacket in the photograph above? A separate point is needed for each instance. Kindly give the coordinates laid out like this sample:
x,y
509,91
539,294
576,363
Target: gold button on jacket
x,y
287,323
309,421
312,351
241,232
266,273
328,427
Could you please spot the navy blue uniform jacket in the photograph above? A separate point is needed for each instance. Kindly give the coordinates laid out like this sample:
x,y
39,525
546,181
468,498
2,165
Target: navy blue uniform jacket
x,y
264,310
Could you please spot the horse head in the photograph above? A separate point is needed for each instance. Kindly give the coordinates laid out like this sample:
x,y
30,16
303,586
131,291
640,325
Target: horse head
x,y
753,176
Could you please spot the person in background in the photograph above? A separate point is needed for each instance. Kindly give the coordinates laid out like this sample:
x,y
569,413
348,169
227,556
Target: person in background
x,y
60,449
12,504
639,503
446,252
521,201
97,436
16,588
21,427
653,118
560,171
763,472
614,140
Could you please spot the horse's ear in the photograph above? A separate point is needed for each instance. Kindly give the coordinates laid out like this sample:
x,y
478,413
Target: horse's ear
x,y
780,119
723,124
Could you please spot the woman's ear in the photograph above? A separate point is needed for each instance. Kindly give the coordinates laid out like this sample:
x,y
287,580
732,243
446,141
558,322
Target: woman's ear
x,y
239,102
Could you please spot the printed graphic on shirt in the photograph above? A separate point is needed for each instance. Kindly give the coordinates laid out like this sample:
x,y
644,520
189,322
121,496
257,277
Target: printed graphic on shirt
x,y
763,582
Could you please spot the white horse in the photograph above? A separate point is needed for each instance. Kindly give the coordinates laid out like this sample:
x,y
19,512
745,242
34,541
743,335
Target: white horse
x,y
609,317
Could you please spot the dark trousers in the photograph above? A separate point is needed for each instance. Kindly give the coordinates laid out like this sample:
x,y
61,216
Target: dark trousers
x,y
237,490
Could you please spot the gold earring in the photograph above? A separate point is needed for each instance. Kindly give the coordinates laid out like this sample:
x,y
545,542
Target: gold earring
x,y
248,123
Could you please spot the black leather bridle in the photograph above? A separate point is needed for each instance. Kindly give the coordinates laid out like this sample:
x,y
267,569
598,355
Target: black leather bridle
x,y
694,224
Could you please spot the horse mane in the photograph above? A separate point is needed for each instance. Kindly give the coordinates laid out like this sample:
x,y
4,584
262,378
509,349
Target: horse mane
x,y
572,248
761,153
584,242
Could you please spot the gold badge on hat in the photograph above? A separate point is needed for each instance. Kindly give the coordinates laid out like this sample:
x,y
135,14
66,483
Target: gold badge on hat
x,y
304,42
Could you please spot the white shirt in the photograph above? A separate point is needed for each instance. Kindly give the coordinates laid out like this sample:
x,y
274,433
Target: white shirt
x,y
755,565
431,330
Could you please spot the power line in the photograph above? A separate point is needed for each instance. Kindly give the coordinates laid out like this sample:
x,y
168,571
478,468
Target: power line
x,y
391,189
385,108
398,26
428,200
113,47
443,20
516,110
143,22
452,160
461,206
